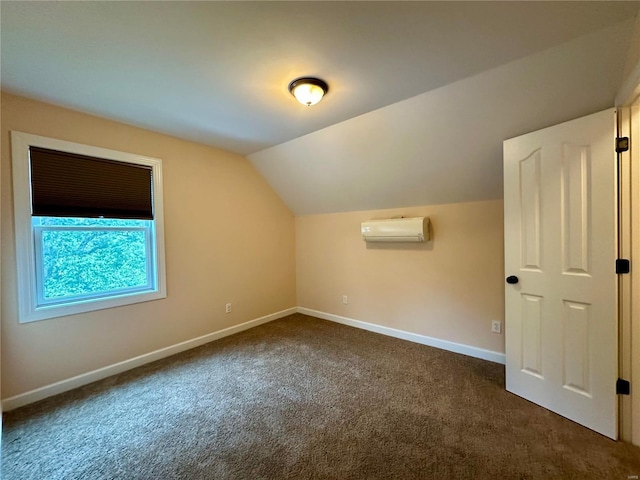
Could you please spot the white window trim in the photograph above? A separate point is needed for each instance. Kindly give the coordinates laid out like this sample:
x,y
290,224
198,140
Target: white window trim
x,y
25,247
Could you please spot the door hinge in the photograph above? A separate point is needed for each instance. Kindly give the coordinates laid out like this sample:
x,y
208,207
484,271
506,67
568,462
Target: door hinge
x,y
622,144
622,266
623,387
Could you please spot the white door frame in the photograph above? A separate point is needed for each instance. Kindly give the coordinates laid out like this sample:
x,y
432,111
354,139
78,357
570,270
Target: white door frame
x,y
629,285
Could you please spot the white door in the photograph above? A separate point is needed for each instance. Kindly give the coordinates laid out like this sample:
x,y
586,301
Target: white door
x,y
560,201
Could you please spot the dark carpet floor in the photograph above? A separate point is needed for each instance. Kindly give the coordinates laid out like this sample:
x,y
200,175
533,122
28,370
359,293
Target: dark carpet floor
x,y
302,398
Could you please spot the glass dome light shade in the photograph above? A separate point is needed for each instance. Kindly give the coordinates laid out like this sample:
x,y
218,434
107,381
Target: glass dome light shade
x,y
308,91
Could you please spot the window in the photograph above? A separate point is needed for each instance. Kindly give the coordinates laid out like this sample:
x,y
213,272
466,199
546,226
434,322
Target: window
x,y
89,227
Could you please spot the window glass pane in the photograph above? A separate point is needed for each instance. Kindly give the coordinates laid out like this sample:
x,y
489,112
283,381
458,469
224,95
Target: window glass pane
x,y
88,262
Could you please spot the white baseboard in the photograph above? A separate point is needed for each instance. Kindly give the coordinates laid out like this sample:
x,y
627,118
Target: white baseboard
x,y
489,355
89,377
104,372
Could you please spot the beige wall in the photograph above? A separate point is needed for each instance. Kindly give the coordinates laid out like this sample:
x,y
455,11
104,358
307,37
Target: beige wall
x,y
226,232
450,288
633,55
229,238
630,86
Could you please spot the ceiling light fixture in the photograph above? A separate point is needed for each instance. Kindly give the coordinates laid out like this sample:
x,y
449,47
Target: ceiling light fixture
x,y
308,90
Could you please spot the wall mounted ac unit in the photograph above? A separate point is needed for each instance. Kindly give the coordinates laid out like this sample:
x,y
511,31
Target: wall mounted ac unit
x,y
416,229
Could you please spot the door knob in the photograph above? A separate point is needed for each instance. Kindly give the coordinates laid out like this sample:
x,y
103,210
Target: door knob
x,y
512,279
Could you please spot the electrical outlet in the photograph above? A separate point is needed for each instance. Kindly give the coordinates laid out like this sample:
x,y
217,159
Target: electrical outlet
x,y
496,326
345,299
227,308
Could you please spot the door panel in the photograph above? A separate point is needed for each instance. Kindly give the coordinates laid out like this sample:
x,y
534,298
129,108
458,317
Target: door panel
x,y
576,192
531,335
560,241
530,201
575,336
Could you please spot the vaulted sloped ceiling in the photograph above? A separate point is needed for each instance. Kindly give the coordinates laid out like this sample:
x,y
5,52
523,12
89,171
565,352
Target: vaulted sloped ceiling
x,y
444,146
421,93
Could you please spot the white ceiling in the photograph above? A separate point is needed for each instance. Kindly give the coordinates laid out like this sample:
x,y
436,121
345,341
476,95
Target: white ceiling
x,y
455,78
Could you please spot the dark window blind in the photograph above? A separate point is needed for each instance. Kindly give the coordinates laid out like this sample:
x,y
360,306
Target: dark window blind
x,y
71,185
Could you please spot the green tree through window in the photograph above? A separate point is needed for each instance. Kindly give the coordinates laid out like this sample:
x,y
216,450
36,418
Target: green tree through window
x,y
87,256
